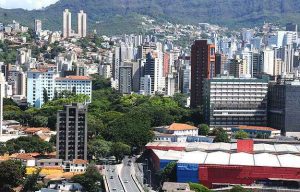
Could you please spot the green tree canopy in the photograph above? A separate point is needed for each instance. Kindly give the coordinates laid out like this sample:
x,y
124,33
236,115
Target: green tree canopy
x,y
99,148
198,187
132,129
30,184
91,180
168,174
31,144
119,150
12,173
203,129
220,135
241,135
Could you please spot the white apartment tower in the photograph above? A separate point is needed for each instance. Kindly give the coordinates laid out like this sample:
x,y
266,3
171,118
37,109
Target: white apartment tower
x,y
67,24
82,24
37,25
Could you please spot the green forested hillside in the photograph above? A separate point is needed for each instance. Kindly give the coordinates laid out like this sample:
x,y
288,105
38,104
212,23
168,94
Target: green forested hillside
x,y
119,16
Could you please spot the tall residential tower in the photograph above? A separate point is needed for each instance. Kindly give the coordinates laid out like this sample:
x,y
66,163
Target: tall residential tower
x,y
202,67
72,132
82,24
67,24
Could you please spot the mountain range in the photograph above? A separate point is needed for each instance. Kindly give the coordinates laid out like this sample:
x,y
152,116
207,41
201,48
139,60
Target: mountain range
x,y
125,16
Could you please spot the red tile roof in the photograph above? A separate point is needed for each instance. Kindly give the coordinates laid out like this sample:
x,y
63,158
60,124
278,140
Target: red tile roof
x,y
258,128
75,78
24,156
79,161
181,127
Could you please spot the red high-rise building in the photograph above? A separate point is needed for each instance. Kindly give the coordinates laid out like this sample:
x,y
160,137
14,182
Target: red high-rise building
x,y
166,64
202,67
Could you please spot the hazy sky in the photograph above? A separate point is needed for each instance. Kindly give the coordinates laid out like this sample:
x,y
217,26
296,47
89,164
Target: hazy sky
x,y
26,4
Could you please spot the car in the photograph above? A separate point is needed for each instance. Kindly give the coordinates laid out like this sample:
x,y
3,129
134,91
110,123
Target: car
x,y
111,177
114,189
125,181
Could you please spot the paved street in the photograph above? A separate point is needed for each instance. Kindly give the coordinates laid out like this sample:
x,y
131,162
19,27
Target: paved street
x,y
114,182
129,183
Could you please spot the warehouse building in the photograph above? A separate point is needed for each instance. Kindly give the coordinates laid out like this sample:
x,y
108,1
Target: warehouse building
x,y
223,168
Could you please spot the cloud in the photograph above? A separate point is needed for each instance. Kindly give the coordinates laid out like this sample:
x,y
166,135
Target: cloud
x,y
25,4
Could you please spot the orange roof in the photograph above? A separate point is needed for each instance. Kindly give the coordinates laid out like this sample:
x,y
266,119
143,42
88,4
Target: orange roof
x,y
24,156
4,157
73,77
36,129
259,128
79,161
181,127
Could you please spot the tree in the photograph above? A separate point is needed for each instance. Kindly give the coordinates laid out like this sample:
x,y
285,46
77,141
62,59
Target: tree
x,y
30,184
168,174
30,144
99,148
119,150
221,135
238,188
203,129
45,95
39,121
198,187
95,125
181,99
241,134
91,180
12,173
55,94
132,129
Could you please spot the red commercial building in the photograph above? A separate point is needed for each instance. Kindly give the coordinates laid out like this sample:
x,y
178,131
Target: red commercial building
x,y
202,67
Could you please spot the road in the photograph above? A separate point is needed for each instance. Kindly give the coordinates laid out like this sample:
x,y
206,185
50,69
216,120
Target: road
x,y
113,180
126,171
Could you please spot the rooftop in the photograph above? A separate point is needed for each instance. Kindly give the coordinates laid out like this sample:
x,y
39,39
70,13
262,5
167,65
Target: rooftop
x,y
79,161
257,128
181,127
73,77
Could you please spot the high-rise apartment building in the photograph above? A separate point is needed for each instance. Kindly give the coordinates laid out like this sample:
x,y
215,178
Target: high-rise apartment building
x,y
230,102
125,79
71,139
82,22
48,80
154,68
220,63
37,26
268,61
67,24
202,67
284,107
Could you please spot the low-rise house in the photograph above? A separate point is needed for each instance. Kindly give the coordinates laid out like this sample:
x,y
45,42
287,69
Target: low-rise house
x,y
254,131
63,187
178,132
26,159
49,162
76,166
